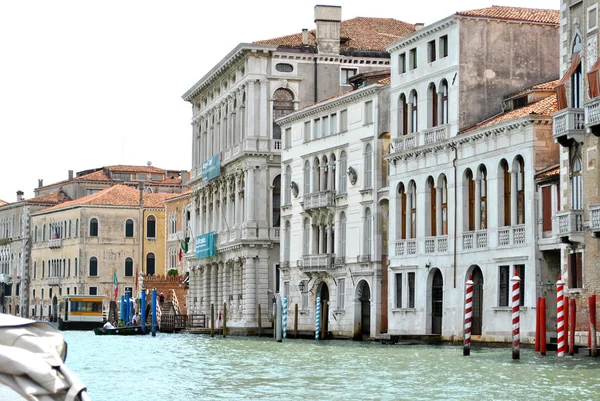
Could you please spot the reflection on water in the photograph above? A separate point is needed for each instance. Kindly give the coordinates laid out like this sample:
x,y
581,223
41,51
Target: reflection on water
x,y
190,367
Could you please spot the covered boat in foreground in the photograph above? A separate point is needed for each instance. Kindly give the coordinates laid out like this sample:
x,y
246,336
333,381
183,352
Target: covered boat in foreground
x,y
121,331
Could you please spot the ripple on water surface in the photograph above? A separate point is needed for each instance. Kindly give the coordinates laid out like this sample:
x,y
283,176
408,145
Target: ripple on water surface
x,y
188,367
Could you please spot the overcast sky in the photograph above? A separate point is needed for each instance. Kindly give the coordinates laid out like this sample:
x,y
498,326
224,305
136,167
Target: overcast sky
x,y
85,84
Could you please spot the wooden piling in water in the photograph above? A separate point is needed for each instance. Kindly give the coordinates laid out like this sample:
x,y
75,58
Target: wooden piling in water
x,y
295,320
572,318
224,319
543,326
259,322
212,320
324,320
537,324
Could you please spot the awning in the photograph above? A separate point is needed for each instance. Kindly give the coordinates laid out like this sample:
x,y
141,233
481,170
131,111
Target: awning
x,y
594,80
561,95
31,361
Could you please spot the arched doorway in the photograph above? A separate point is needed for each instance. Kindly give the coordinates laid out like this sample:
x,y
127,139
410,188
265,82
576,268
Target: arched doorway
x,y
323,292
477,324
437,305
364,303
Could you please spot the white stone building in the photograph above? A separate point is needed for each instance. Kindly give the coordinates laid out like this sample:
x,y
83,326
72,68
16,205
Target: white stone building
x,y
464,156
234,106
334,210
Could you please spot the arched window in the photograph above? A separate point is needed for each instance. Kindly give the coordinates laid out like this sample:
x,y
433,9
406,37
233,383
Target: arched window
x,y
288,185
128,267
368,163
367,232
402,116
76,268
150,264
44,233
306,237
69,228
151,227
43,269
129,228
444,102
343,171
432,207
287,241
93,267
483,198
316,176
577,77
413,209
401,210
414,115
283,103
69,268
520,191
433,105
306,178
35,234
93,227
576,202
276,201
444,211
77,227
471,200
342,236
506,191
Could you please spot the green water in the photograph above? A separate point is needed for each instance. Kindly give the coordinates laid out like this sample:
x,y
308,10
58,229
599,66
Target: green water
x,y
191,367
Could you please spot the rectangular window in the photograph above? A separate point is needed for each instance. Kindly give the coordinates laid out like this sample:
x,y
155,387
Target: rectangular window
x,y
93,291
411,290
592,17
431,54
91,191
402,63
369,112
521,272
288,138
128,290
444,46
68,291
575,270
341,288
333,124
317,127
325,122
413,58
142,177
503,285
398,290
343,120
547,208
157,177
74,290
345,75
306,131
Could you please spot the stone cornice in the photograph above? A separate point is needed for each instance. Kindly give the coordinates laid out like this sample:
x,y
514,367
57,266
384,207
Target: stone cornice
x,y
322,106
45,212
421,33
236,54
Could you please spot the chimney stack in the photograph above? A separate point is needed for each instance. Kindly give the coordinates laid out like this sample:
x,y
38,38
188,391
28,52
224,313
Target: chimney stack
x,y
183,175
141,186
328,19
304,36
40,183
419,25
20,196
70,175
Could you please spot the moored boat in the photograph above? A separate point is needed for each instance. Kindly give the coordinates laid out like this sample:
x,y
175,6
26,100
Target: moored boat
x,y
121,331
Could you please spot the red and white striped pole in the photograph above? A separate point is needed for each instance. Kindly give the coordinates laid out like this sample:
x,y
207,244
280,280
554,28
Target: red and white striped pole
x,y
516,303
468,315
560,317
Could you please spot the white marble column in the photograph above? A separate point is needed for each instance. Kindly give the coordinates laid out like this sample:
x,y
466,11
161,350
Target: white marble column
x,y
237,202
249,290
220,206
264,102
322,182
251,107
250,195
321,238
214,283
236,288
206,290
329,239
219,303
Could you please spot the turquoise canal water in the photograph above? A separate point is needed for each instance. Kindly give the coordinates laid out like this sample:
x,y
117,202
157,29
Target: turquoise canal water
x,y
193,367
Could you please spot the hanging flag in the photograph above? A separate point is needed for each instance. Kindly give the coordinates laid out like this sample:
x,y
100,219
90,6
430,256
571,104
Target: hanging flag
x,y
180,254
116,283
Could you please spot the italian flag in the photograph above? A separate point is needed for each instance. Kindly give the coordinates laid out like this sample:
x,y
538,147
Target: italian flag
x,y
116,283
183,247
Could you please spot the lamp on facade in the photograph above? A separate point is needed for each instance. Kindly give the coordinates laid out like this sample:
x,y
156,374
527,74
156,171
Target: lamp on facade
x,y
548,284
302,287
428,264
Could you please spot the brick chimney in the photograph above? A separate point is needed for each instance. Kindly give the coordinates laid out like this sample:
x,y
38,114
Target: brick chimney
x,y
304,36
419,25
70,175
328,19
20,196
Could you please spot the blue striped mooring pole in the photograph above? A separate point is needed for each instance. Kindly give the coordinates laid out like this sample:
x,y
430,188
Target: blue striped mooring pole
x,y
318,317
143,306
284,317
122,309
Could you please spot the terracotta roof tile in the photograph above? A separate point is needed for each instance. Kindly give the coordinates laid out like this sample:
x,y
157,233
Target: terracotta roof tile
x,y
360,33
546,86
385,81
544,107
117,195
135,169
51,198
515,13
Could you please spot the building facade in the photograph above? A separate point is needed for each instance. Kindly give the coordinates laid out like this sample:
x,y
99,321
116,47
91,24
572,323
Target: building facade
x,y
178,216
236,159
470,128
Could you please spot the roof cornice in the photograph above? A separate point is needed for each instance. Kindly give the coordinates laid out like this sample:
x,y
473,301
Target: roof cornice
x,y
421,33
236,54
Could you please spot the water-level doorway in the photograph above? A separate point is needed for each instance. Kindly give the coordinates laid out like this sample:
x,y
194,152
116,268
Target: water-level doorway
x,y
437,302
477,323
323,291
363,313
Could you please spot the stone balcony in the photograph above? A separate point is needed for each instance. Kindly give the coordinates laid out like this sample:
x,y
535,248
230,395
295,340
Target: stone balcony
x,y
318,200
475,240
592,116
435,245
406,247
570,226
568,126
425,137
595,220
316,263
511,235
54,280
55,243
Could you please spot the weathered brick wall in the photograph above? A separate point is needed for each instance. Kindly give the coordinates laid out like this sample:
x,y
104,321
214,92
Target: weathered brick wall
x,y
166,283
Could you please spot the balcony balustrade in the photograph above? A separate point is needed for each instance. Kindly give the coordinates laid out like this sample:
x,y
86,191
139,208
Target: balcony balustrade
x,y
54,280
425,137
316,263
407,247
570,225
568,125
55,243
319,200
592,115
595,220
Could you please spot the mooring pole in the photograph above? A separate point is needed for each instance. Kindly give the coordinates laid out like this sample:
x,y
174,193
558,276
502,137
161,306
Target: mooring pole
x,y
143,306
567,311
324,319
468,315
560,317
572,322
284,317
259,322
224,319
516,303
278,318
318,317
592,309
122,308
154,312
543,326
295,320
212,320
538,306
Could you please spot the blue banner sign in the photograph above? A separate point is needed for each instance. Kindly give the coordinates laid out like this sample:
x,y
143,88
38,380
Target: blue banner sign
x,y
205,245
211,168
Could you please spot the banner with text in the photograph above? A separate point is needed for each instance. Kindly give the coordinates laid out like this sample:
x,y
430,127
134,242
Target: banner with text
x,y
205,245
211,168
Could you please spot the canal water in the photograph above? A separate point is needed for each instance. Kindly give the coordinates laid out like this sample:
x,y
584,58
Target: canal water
x,y
194,367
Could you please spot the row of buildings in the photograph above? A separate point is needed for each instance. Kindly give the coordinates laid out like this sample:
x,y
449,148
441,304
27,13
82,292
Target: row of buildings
x,y
377,164
99,229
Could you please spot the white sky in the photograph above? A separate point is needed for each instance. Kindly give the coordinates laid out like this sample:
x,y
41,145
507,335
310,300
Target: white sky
x,y
85,84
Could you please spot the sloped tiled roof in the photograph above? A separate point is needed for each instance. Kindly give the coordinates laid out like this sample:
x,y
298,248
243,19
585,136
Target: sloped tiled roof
x,y
515,14
545,87
180,196
544,107
51,198
135,169
117,195
360,33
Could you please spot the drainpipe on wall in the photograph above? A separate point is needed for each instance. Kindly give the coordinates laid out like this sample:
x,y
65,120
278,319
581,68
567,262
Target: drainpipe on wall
x,y
455,208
